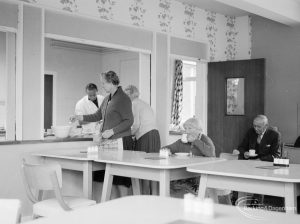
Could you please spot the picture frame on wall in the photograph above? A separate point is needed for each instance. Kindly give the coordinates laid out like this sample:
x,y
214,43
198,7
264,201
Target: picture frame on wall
x,y
235,96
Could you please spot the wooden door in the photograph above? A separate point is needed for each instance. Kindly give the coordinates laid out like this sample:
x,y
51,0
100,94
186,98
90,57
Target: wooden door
x,y
227,131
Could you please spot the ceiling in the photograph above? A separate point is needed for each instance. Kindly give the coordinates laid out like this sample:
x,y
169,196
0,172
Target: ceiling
x,y
283,11
216,7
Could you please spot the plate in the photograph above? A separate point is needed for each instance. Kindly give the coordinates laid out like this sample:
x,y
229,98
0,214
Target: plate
x,y
254,155
182,154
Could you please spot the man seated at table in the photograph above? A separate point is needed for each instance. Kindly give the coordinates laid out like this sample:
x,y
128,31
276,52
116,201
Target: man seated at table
x,y
264,140
198,144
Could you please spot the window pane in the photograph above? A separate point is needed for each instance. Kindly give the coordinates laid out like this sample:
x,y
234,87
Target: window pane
x,y
189,90
188,69
7,86
2,85
189,95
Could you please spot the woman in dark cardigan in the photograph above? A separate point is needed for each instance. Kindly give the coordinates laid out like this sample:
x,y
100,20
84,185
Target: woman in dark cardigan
x,y
116,113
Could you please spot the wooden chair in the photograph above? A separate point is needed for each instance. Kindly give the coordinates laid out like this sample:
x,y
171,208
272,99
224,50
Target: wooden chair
x,y
292,153
10,211
38,178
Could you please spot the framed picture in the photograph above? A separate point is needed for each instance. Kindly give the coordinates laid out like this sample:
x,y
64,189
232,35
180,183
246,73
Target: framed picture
x,y
235,96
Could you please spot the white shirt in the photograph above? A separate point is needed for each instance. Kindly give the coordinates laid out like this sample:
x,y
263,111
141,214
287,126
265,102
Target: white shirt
x,y
144,118
85,107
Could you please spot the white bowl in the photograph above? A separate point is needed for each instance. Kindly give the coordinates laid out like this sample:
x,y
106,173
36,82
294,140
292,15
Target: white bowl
x,y
61,131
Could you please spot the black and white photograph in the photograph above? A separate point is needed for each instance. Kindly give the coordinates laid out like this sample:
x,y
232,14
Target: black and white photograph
x,y
149,111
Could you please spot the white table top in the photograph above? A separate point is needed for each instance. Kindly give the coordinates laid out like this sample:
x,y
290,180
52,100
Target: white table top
x,y
131,158
249,169
152,160
73,154
158,210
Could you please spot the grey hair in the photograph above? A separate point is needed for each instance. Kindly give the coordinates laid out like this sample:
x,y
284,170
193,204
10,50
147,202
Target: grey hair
x,y
262,118
193,123
132,91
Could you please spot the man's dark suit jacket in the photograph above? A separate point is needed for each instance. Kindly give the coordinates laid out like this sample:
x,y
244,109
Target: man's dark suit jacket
x,y
268,147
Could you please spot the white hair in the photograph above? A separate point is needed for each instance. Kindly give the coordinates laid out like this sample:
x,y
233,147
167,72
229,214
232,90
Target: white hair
x,y
132,91
193,123
262,118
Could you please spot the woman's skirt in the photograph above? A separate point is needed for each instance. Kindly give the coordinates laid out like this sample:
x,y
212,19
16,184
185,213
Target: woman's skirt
x,y
126,181
149,142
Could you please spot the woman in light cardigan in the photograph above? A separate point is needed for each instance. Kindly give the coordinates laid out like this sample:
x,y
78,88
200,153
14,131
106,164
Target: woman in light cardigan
x,y
144,127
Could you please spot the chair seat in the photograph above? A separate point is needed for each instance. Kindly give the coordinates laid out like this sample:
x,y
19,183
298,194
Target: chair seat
x,y
51,206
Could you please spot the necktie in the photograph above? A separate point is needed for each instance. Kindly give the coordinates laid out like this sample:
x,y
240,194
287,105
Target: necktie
x,y
259,138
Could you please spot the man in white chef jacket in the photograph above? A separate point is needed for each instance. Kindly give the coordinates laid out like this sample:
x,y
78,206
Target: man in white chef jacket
x,y
89,104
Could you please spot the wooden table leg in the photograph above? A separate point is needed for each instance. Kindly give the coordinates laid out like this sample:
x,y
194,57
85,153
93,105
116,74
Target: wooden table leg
x,y
164,183
88,179
202,186
136,189
291,198
107,184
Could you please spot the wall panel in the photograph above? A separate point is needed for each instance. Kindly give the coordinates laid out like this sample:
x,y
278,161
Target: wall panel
x,y
8,15
89,29
32,62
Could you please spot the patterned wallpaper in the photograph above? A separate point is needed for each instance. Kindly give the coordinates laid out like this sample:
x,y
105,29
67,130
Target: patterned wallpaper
x,y
189,20
165,17
228,38
105,9
211,30
69,5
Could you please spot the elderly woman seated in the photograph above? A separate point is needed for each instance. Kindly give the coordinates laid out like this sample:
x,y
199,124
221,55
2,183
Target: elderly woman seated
x,y
196,143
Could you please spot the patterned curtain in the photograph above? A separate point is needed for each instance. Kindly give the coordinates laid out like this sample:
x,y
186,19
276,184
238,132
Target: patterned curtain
x,y
177,94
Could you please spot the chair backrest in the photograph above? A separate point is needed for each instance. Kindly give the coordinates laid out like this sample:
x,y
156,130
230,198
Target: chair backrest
x,y
10,211
292,153
297,142
229,156
43,177
38,176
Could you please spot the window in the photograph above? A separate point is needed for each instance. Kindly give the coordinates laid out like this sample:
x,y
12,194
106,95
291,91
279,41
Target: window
x,y
189,90
194,94
7,86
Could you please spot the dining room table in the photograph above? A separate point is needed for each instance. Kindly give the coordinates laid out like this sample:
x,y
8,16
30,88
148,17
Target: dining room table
x,y
164,210
149,166
73,159
252,176
78,159
133,164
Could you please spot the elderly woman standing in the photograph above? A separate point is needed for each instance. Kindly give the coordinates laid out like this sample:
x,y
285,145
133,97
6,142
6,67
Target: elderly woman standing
x,y
196,143
144,127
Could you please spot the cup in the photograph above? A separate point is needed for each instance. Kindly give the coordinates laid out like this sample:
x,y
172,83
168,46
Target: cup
x,y
164,152
184,138
49,131
252,152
